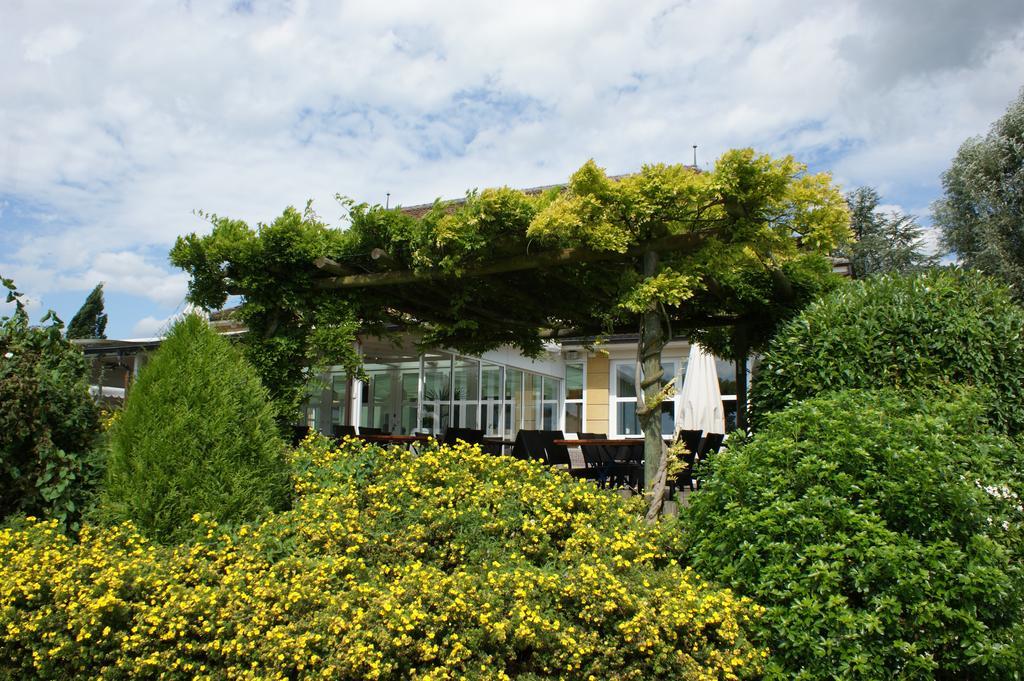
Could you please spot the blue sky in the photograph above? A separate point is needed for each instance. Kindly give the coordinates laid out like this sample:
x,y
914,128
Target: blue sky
x,y
119,120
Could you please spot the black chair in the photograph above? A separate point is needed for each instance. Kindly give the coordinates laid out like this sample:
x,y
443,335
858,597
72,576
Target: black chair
x,y
367,430
628,466
299,433
596,460
339,431
529,445
555,455
468,435
692,440
710,445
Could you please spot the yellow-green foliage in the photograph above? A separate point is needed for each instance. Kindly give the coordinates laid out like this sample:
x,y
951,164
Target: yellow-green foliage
x,y
448,564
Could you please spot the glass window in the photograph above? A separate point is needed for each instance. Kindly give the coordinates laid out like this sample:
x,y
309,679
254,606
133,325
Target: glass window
x,y
339,399
531,401
513,402
624,401
726,376
549,407
574,381
437,376
490,399
465,393
573,417
573,420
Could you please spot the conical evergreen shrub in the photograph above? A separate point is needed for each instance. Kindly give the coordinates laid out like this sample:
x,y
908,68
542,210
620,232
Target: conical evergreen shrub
x,y
197,436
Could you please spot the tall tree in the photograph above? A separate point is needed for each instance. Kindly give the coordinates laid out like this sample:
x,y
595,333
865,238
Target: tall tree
x,y
982,213
883,242
90,321
645,253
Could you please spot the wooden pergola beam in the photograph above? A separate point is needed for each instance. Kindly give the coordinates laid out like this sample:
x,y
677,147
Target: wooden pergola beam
x,y
545,259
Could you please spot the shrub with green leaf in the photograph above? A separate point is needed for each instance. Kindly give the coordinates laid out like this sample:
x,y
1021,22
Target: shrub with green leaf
x,y
446,564
926,329
197,435
883,531
48,422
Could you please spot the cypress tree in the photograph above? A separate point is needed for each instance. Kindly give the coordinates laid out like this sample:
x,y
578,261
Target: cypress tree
x,y
90,321
197,435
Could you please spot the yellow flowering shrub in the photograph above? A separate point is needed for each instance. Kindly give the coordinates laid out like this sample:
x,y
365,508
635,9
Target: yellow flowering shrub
x,y
441,564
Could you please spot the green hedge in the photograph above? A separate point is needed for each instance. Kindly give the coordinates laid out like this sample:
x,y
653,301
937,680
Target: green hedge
x,y
48,422
883,531
197,435
448,564
940,326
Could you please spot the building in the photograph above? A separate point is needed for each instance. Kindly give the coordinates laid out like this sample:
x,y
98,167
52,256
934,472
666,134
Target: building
x,y
573,387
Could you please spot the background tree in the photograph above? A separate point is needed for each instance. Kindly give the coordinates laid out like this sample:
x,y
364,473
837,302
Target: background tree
x,y
982,213
882,242
90,321
599,255
761,301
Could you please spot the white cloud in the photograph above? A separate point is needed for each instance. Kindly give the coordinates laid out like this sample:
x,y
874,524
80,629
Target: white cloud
x,y
129,272
115,125
150,327
46,45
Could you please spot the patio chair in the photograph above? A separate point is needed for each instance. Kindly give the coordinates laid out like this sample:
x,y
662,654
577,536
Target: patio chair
x,y
339,431
692,440
529,445
628,466
299,433
469,435
555,455
710,445
367,430
598,465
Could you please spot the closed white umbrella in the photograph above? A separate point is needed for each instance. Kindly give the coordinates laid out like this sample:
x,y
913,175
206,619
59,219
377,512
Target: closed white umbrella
x,y
699,406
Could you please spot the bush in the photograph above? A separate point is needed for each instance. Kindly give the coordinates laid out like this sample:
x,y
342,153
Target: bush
x,y
48,422
940,326
196,435
882,531
448,564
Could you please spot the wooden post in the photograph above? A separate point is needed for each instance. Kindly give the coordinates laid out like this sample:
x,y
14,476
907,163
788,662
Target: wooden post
x,y
741,394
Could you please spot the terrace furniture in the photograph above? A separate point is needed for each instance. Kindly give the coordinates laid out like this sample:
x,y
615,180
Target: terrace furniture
x,y
623,459
409,441
339,431
528,445
692,440
710,445
468,435
367,430
495,445
299,433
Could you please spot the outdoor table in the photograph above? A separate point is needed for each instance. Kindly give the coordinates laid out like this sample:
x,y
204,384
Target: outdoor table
x,y
622,442
500,443
408,440
610,442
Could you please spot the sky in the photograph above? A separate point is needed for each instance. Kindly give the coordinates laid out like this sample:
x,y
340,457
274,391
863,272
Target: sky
x,y
120,121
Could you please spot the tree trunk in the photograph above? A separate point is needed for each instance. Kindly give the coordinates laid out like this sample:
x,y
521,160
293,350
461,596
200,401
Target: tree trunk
x,y
652,342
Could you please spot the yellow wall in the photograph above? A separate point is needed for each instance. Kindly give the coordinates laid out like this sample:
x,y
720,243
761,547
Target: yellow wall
x,y
596,394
